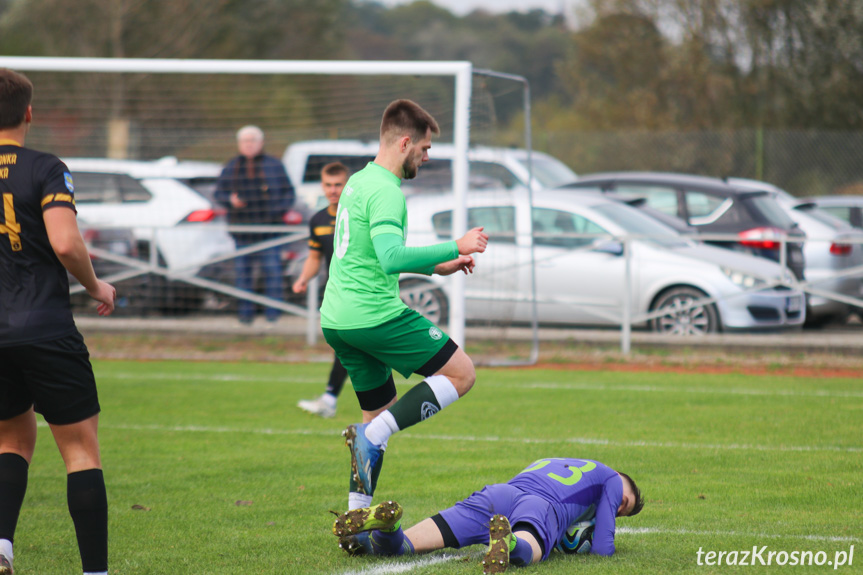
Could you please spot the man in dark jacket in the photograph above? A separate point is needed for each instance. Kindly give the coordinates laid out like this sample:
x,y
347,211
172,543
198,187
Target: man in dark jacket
x,y
255,189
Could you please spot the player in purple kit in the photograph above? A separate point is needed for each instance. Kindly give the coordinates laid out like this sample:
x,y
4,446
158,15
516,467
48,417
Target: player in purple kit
x,y
521,520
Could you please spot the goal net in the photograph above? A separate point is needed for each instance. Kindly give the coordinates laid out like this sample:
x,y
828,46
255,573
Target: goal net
x,y
146,141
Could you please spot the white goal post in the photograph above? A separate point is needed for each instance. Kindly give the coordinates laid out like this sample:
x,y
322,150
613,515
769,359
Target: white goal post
x,y
461,72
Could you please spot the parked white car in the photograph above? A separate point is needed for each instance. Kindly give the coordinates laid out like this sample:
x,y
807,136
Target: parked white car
x,y
187,230
489,167
580,280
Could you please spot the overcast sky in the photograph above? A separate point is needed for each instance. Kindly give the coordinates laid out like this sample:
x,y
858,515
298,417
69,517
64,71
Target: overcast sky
x,y
462,7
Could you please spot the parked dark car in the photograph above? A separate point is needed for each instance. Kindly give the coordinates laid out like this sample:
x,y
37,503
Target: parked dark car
x,y
710,206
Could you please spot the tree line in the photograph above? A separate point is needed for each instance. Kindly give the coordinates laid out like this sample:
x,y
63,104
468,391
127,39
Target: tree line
x,y
625,64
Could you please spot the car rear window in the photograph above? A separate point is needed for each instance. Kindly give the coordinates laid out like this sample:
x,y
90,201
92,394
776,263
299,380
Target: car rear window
x,y
769,209
841,212
822,216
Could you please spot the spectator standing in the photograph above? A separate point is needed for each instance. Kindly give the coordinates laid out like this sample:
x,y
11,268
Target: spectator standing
x,y
255,190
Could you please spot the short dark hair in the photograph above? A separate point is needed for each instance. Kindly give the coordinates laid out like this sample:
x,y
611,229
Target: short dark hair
x,y
334,169
16,93
407,117
636,492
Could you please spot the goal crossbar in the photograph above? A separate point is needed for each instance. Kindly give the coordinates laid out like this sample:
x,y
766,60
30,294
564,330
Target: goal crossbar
x,y
461,72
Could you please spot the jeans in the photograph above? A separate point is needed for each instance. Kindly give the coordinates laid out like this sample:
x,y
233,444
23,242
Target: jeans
x,y
271,268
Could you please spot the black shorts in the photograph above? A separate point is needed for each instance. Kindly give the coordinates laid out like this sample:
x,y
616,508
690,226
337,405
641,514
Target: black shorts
x,y
54,376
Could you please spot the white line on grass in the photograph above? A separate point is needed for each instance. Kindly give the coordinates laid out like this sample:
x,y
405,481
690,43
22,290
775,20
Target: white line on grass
x,y
497,439
661,531
419,563
529,385
207,377
387,569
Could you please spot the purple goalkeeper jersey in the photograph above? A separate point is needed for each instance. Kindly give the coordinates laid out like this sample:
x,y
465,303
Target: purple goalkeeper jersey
x,y
550,495
578,490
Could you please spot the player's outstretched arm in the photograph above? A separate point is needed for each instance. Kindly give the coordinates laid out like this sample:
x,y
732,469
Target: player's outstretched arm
x,y
473,242
462,263
395,257
67,243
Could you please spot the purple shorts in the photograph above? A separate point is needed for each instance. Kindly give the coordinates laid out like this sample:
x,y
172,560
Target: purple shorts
x,y
468,519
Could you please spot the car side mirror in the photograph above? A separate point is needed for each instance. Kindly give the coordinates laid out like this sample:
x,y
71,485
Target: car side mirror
x,y
612,247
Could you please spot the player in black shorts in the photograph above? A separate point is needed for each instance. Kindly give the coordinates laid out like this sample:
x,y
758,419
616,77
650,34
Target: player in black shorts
x,y
45,363
321,229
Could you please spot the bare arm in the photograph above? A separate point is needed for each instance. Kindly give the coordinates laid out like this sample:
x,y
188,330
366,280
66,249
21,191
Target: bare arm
x,y
460,264
310,270
67,243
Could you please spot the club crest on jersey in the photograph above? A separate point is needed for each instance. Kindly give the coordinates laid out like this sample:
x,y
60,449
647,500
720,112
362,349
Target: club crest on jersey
x,y
427,410
67,178
435,333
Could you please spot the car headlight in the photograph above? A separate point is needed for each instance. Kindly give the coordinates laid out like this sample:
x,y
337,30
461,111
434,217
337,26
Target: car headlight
x,y
743,279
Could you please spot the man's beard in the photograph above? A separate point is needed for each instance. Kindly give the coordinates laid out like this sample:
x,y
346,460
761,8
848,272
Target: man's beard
x,y
409,169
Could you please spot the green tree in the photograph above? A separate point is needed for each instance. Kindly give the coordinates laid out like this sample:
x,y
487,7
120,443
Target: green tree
x,y
615,75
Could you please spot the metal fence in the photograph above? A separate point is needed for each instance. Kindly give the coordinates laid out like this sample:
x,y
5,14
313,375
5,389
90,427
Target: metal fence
x,y
624,315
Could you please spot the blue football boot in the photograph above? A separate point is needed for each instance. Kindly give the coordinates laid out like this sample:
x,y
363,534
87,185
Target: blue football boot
x,y
365,458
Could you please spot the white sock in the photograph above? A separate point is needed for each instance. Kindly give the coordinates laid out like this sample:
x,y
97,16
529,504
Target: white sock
x,y
381,428
443,389
329,399
6,548
358,501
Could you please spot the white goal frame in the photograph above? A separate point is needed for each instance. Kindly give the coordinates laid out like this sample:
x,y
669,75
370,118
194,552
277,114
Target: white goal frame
x,y
462,73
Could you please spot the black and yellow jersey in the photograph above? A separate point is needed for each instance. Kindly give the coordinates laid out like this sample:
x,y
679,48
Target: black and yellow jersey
x,y
34,285
322,226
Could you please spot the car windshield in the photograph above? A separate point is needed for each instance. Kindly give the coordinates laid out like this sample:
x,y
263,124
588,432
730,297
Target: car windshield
x,y
550,172
634,222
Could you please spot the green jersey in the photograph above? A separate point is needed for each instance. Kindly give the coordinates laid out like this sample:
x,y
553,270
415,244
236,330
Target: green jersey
x,y
359,293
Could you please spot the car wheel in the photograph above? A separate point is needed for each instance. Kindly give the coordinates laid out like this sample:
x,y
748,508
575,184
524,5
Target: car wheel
x,y
696,320
426,298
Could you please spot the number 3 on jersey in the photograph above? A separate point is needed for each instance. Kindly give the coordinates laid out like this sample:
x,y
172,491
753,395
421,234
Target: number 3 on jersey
x,y
11,225
343,232
571,479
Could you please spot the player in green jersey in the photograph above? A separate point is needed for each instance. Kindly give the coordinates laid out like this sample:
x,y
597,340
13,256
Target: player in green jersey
x,y
363,317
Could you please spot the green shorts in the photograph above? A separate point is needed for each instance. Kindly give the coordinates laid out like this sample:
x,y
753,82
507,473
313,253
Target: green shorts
x,y
408,343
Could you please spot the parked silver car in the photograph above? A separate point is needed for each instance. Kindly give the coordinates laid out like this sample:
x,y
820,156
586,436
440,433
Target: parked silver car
x,y
846,208
832,249
580,267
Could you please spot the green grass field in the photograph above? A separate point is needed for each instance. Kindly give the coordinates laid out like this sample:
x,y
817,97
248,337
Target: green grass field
x,y
211,468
